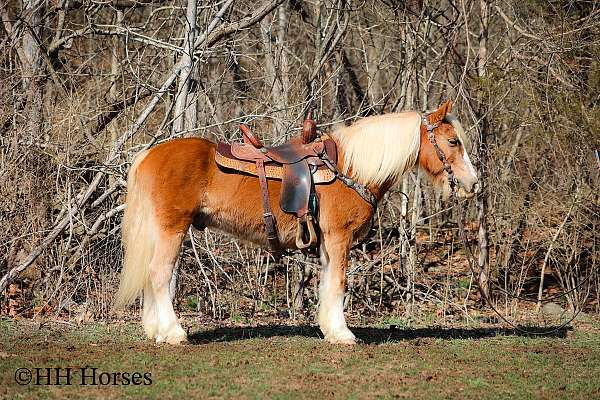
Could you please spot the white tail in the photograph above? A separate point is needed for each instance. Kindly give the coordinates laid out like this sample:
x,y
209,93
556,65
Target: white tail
x,y
138,239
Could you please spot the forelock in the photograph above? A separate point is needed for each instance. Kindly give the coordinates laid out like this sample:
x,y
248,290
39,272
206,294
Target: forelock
x,y
458,128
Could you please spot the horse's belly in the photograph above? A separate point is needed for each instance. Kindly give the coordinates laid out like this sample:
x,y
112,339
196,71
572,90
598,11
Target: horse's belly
x,y
234,206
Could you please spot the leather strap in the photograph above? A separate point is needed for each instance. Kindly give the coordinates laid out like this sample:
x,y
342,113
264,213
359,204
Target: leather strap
x,y
360,189
249,137
268,217
431,136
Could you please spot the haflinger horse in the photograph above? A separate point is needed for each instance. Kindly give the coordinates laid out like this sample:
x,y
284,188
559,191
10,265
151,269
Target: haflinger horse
x,y
177,184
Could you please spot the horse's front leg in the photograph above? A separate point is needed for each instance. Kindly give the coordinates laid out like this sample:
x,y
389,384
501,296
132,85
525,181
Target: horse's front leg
x,y
334,260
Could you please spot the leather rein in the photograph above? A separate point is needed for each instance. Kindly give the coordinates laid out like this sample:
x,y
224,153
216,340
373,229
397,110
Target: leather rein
x,y
359,188
483,278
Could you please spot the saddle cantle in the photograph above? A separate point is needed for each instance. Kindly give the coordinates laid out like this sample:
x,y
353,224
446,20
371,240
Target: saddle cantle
x,y
298,164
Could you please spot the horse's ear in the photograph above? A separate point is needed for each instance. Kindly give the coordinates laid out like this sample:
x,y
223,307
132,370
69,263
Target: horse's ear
x,y
439,114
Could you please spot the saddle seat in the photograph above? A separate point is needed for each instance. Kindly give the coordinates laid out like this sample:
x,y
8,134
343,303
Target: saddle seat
x,y
242,158
297,163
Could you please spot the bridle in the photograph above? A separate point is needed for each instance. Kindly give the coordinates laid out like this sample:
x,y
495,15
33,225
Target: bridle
x,y
431,136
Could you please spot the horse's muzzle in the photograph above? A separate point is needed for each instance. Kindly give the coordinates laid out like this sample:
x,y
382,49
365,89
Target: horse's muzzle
x,y
465,194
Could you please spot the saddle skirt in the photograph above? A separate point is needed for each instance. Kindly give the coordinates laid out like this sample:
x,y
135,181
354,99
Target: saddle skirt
x,y
238,158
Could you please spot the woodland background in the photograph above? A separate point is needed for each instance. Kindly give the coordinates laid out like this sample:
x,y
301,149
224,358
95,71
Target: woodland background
x,y
87,84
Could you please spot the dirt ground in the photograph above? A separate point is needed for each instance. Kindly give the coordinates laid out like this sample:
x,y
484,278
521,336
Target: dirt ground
x,y
289,362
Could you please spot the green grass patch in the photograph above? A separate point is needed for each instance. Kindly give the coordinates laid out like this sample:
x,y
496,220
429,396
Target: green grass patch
x,y
293,362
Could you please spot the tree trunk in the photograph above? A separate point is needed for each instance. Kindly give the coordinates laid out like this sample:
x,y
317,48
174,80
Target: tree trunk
x,y
276,67
115,71
482,151
182,107
183,85
408,102
32,67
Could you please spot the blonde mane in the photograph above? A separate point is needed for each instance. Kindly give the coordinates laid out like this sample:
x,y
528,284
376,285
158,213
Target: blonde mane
x,y
380,148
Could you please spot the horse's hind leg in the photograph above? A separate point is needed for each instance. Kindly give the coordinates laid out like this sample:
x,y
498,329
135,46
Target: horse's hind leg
x,y
162,321
150,315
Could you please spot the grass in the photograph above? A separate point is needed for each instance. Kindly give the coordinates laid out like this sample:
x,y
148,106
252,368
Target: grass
x,y
283,362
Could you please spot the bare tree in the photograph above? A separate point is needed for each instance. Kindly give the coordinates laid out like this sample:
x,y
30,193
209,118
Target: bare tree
x,y
87,85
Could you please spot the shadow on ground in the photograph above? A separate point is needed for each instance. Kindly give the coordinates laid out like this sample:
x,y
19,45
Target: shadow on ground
x,y
373,335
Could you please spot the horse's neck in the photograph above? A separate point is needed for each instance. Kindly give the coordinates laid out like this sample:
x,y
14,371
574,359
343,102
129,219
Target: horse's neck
x,y
378,190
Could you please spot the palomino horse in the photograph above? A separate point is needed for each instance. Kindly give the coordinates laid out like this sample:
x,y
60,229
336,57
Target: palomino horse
x,y
177,184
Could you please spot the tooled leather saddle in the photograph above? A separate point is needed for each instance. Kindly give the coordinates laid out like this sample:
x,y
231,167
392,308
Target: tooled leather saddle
x,y
299,164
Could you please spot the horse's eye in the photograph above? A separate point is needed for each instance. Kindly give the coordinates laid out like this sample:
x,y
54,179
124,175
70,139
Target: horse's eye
x,y
453,142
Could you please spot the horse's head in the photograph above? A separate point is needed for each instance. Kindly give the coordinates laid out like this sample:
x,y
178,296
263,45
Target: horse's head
x,y
450,138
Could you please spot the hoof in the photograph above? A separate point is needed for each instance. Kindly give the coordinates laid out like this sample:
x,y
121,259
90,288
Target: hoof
x,y
348,342
177,339
344,337
151,331
175,335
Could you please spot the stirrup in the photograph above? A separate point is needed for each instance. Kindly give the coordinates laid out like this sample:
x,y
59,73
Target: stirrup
x,y
308,222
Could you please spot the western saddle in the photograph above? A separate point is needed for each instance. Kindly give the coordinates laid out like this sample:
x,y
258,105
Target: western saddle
x,y
300,164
